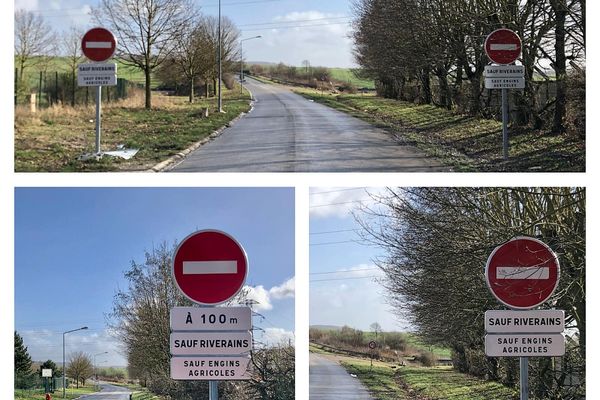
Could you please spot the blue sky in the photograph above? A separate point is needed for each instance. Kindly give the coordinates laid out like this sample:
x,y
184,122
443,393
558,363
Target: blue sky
x,y
282,23
343,278
73,245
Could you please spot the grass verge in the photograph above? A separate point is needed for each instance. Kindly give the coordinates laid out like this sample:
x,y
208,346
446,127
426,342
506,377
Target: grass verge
x,y
421,383
52,139
462,142
40,394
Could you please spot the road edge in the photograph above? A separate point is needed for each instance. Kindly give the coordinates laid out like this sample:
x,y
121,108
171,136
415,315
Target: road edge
x,y
174,160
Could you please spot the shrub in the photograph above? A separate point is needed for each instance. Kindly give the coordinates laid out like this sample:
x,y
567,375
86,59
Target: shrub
x,y
427,358
229,81
575,118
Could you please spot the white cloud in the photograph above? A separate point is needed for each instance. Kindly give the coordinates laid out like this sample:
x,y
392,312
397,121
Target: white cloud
x,y
286,290
45,345
340,202
264,297
276,336
353,302
326,43
26,5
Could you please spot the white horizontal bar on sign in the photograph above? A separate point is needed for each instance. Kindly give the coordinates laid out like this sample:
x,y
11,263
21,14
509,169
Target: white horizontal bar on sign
x,y
209,267
98,45
503,46
523,273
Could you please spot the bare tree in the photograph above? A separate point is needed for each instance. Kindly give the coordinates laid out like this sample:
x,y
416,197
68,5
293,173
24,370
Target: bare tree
x,y
34,38
437,241
80,367
71,48
146,31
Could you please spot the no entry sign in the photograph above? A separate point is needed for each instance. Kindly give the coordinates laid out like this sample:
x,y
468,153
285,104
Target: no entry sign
x,y
522,273
98,44
503,46
210,267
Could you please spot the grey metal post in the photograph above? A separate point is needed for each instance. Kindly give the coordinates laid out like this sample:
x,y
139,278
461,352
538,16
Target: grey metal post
x,y
241,67
64,372
220,69
524,378
505,123
98,117
213,390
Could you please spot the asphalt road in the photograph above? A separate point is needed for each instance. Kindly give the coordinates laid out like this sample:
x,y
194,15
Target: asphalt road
x,y
108,392
330,381
288,133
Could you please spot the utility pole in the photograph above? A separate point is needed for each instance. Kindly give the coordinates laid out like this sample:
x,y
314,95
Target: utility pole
x,y
242,61
220,69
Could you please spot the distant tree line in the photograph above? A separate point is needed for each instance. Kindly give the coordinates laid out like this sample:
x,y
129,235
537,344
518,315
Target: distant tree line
x,y
140,317
436,48
437,241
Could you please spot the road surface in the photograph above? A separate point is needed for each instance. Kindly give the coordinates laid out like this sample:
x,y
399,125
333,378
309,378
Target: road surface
x,y
330,381
288,133
108,392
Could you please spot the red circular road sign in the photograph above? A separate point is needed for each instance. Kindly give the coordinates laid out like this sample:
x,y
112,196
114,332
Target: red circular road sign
x,y
503,46
210,267
372,345
522,273
98,44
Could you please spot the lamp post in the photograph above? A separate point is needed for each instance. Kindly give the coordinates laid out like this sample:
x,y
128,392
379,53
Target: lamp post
x,y
220,102
95,369
64,364
242,61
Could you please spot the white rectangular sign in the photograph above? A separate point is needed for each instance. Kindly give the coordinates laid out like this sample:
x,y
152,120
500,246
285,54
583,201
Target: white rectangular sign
x,y
97,74
505,83
46,373
504,71
534,321
211,319
210,343
525,345
210,368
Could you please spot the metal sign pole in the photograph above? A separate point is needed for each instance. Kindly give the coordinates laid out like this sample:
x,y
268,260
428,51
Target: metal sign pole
x,y
213,390
505,123
524,378
98,117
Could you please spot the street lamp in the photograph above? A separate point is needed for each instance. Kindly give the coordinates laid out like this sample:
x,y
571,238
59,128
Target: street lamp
x,y
220,102
64,367
95,369
242,61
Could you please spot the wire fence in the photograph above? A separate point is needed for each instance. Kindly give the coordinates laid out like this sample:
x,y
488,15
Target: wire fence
x,y
51,88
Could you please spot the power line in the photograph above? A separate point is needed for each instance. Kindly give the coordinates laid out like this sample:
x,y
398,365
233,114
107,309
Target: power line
x,y
342,279
338,190
327,243
338,231
338,204
295,26
293,22
343,271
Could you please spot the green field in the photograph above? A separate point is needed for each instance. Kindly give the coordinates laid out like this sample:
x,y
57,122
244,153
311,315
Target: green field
x,y
346,75
462,142
61,65
437,383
